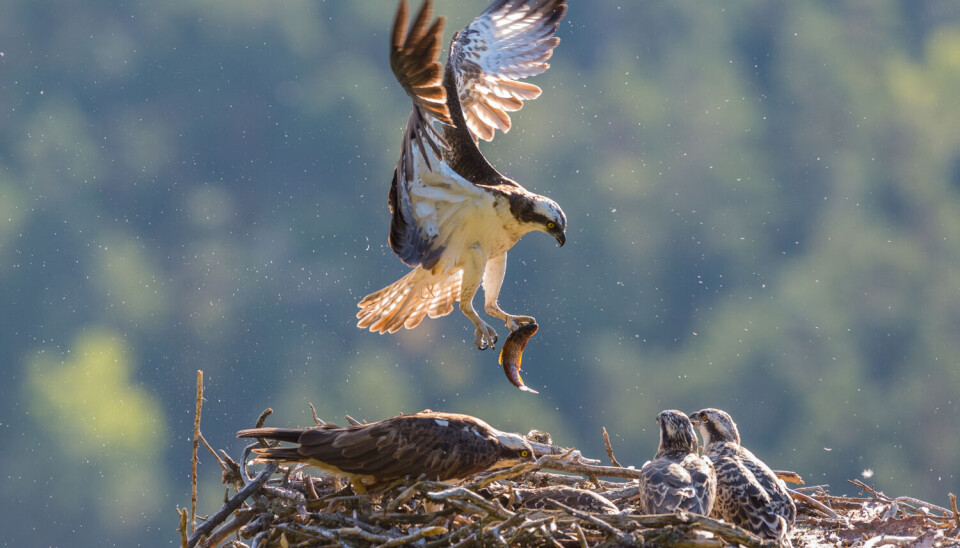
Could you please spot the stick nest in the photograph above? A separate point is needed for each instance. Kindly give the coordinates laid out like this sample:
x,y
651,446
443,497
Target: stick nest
x,y
527,505
532,505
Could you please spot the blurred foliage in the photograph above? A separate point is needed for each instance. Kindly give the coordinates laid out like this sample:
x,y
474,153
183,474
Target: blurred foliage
x,y
763,201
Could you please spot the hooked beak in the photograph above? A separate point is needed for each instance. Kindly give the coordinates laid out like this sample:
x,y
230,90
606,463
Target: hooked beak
x,y
561,238
694,418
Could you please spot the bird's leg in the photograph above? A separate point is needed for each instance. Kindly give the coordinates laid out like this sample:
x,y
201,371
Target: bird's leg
x,y
492,282
472,261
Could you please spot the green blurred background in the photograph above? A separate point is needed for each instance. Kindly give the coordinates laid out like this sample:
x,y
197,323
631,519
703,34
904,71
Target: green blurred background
x,y
764,216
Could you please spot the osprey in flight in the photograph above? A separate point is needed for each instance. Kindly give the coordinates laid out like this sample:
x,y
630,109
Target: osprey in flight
x,y
749,494
677,477
443,446
454,215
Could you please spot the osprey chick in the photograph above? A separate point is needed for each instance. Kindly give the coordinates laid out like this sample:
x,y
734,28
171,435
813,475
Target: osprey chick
x,y
749,494
454,215
677,478
443,446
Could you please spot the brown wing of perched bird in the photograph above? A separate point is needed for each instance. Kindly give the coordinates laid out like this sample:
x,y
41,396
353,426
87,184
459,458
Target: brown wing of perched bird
x,y
677,478
749,494
443,446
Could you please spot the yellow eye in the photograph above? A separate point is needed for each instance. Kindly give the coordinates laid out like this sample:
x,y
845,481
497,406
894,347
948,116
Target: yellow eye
x,y
524,453
551,225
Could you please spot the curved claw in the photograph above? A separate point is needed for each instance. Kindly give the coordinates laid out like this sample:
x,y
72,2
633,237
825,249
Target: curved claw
x,y
484,336
516,322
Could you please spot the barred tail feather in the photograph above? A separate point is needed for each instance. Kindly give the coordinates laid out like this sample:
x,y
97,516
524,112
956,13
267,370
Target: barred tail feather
x,y
280,434
407,301
282,454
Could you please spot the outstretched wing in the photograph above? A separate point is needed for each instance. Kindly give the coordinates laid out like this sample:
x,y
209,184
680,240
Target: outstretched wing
x,y
510,41
413,58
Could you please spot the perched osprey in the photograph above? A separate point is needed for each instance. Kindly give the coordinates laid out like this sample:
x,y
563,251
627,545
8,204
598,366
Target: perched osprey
x,y
749,494
677,477
454,215
443,446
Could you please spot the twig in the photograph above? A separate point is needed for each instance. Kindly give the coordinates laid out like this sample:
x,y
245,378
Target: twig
x,y
216,519
730,533
512,472
906,501
234,475
292,496
789,477
415,536
817,505
352,421
239,520
580,536
864,487
611,530
263,417
606,441
404,496
923,504
212,452
183,527
541,449
956,514
453,495
196,446
592,469
316,419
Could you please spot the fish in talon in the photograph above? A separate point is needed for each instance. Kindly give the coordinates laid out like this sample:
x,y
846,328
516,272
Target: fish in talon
x,y
512,354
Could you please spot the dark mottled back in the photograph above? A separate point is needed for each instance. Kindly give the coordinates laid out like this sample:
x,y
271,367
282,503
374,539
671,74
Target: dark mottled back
x,y
749,494
441,445
677,477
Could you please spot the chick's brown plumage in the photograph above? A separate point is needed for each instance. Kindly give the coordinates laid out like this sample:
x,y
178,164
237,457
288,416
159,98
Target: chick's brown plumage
x,y
677,478
749,494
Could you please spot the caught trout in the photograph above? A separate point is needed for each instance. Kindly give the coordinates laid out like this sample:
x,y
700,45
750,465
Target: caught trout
x,y
512,354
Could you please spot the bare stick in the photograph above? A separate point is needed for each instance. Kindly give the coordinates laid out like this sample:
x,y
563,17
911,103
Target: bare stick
x,y
609,529
514,471
183,527
403,497
428,531
263,417
352,421
819,506
212,452
789,477
316,419
196,446
956,514
606,441
580,536
228,528
591,470
541,449
727,531
453,495
206,527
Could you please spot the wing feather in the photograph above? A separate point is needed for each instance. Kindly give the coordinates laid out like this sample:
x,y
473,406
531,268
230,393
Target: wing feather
x,y
413,59
405,302
511,40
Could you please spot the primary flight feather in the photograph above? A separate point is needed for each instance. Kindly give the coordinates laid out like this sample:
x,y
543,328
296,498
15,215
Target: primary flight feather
x,y
454,216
